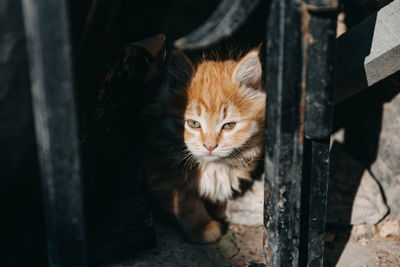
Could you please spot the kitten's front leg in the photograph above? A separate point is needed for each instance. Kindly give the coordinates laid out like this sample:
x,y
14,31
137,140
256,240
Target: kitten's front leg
x,y
195,220
216,210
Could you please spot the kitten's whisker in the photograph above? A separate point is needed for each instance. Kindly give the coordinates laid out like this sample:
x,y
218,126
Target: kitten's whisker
x,y
186,153
189,161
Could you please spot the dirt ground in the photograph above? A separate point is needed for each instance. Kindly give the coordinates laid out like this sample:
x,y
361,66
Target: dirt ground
x,y
174,251
360,246
363,245
341,250
241,245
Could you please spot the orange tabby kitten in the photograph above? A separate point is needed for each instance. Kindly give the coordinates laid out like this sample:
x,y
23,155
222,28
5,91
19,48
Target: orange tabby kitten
x,y
206,139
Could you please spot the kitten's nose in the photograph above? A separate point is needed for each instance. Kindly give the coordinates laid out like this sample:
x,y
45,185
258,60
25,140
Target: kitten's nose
x,y
210,147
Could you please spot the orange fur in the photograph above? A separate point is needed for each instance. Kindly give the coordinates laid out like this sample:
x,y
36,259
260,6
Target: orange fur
x,y
201,167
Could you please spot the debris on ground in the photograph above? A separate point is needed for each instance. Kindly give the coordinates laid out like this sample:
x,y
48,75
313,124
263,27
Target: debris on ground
x,y
389,228
227,246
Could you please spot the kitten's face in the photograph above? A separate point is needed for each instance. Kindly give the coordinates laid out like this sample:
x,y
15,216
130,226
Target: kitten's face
x,y
212,134
223,112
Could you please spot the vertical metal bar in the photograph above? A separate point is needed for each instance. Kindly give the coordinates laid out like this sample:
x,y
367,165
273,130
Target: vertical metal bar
x,y
285,83
320,42
319,174
16,127
20,197
47,32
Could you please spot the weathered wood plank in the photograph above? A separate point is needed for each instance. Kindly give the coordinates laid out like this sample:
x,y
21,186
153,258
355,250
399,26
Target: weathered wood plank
x,y
369,52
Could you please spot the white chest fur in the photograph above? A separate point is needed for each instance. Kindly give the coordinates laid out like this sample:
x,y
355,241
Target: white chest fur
x,y
218,181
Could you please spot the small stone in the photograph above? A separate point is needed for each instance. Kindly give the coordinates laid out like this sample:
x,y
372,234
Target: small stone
x,y
362,232
227,246
363,241
386,168
234,227
369,206
390,228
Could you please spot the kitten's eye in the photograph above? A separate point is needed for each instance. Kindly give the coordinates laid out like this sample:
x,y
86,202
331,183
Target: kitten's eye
x,y
229,126
193,124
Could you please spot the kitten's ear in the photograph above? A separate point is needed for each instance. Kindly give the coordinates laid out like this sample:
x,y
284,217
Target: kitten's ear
x,y
248,72
152,44
179,68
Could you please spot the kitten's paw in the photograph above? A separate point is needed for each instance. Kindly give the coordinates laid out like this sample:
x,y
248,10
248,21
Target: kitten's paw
x,y
212,232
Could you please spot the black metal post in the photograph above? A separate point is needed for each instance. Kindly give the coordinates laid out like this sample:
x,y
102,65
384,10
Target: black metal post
x,y
318,124
224,21
47,32
299,80
22,220
285,82
318,161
